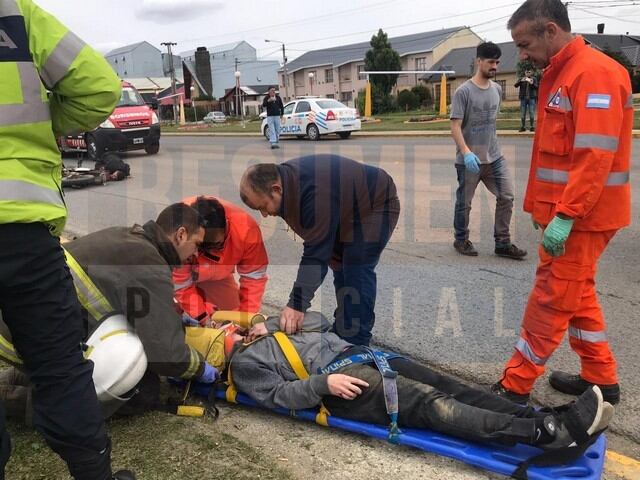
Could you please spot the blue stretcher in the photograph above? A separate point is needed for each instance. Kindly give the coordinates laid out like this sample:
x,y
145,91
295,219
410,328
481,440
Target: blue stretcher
x,y
494,458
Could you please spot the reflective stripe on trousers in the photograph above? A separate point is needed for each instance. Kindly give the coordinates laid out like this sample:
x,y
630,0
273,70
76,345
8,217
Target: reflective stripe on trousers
x,y
588,336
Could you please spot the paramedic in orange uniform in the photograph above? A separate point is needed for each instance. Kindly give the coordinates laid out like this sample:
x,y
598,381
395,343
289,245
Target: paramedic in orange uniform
x,y
578,194
233,243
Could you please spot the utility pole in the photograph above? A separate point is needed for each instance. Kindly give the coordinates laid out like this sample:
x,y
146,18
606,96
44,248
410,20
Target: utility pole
x,y
173,78
284,63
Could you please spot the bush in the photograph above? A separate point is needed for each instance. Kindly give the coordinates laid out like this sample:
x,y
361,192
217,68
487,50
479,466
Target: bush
x,y
635,82
407,100
360,101
424,95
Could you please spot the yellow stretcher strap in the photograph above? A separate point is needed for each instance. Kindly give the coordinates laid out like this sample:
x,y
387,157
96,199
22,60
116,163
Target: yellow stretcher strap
x,y
89,295
231,392
242,319
295,361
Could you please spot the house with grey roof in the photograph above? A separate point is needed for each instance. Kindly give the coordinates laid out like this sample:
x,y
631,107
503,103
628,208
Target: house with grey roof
x,y
462,61
335,72
136,60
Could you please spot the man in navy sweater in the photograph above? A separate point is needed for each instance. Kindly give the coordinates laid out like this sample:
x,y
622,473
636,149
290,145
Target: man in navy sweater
x,y
345,212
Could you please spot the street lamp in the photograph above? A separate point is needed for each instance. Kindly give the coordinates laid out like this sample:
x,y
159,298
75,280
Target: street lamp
x,y
193,104
284,66
311,75
239,97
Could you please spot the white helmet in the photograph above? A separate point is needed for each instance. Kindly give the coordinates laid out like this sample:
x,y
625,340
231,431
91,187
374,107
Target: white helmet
x,y
118,357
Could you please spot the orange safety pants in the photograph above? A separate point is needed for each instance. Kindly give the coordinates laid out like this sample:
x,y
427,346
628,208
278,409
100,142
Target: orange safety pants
x,y
564,297
224,294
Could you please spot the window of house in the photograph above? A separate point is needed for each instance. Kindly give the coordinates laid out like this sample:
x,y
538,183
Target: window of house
x,y
328,75
421,63
346,96
360,69
303,107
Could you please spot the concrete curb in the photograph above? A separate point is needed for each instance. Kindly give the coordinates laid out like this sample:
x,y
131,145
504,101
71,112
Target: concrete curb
x,y
399,133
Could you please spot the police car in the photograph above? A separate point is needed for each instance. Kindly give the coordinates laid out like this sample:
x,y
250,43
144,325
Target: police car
x,y
314,117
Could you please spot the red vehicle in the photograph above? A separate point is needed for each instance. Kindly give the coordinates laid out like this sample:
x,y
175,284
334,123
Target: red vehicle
x,y
133,125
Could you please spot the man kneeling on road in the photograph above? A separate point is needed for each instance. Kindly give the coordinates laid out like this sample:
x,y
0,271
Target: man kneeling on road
x,y
127,270
352,389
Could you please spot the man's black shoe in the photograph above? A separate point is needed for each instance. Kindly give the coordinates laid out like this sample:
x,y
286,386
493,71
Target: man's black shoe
x,y
588,415
465,247
532,129
522,129
511,251
576,385
499,390
124,475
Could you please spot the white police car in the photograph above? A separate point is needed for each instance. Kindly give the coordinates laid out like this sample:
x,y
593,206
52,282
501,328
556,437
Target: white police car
x,y
315,116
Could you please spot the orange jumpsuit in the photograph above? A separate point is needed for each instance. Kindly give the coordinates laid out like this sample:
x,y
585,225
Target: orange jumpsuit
x,y
208,284
580,168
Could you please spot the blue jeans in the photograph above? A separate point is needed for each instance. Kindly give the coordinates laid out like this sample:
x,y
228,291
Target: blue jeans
x,y
496,178
527,104
274,129
354,277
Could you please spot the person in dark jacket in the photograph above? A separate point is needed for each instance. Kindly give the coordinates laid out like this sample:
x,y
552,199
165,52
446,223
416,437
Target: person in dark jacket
x,y
272,104
131,267
350,387
345,212
527,94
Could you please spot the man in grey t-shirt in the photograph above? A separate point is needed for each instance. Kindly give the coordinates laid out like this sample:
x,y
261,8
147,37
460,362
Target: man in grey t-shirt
x,y
474,111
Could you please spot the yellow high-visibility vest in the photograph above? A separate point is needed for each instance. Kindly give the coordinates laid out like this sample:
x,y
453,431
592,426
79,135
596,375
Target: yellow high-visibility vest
x,y
37,53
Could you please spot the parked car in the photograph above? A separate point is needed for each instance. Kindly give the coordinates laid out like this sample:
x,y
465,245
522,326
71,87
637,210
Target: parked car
x,y
215,117
133,125
314,117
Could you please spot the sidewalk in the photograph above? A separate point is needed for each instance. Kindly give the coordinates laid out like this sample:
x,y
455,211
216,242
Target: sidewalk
x,y
390,133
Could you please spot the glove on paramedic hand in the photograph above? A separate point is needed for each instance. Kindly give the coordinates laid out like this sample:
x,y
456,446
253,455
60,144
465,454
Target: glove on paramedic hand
x,y
472,162
555,236
209,375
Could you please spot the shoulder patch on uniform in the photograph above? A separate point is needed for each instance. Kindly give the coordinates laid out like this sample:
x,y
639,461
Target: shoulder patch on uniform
x,y
554,100
598,100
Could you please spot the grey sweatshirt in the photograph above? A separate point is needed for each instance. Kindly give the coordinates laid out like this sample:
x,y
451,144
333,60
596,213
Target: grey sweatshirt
x,y
261,370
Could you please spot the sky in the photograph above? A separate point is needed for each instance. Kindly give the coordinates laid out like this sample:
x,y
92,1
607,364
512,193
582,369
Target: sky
x,y
306,25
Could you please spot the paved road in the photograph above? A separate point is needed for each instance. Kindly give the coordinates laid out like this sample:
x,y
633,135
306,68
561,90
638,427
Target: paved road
x,y
457,313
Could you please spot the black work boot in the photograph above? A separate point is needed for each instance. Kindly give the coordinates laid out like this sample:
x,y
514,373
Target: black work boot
x,y
499,390
465,247
124,475
510,251
576,385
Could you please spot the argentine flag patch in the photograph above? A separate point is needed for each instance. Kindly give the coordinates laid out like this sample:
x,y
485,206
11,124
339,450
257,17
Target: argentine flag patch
x,y
597,100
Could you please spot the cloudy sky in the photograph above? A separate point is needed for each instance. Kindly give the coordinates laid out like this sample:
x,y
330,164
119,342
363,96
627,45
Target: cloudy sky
x,y
306,25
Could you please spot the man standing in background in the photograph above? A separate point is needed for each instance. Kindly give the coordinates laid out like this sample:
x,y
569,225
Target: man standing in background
x,y
528,92
272,104
474,111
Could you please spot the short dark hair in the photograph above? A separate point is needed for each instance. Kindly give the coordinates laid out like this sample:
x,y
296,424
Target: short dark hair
x,y
261,177
540,12
272,88
488,50
179,215
211,211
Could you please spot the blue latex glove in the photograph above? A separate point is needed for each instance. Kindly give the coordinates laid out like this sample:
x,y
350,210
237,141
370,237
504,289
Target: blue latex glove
x,y
555,236
209,375
189,321
472,162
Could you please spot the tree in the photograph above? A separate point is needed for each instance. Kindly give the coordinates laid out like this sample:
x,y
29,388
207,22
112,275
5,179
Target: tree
x,y
423,93
622,59
382,57
407,100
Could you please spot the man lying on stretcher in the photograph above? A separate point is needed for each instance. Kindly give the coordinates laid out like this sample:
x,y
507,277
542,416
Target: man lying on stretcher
x,y
353,389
